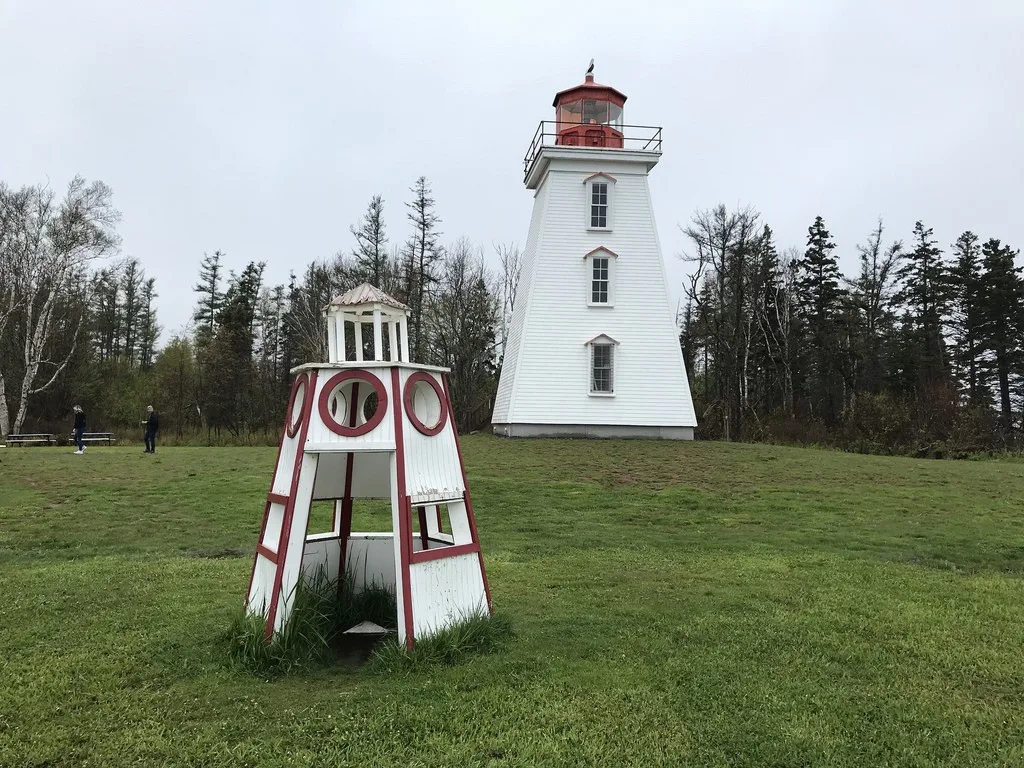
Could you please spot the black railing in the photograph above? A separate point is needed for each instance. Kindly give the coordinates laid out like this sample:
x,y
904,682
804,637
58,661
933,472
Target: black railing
x,y
636,138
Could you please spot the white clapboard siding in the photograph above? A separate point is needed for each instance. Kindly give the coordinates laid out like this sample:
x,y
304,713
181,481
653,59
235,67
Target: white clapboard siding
x,y
445,591
371,559
296,538
545,378
503,399
321,437
320,557
432,468
285,466
261,586
369,475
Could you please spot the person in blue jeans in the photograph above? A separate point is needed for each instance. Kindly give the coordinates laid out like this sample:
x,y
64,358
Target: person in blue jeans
x,y
152,423
79,429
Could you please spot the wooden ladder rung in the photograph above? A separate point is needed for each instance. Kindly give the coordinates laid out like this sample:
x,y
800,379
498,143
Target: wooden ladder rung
x,y
269,554
277,498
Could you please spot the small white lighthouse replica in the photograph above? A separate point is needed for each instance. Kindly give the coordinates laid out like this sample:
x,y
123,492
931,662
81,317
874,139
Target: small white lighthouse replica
x,y
370,424
593,349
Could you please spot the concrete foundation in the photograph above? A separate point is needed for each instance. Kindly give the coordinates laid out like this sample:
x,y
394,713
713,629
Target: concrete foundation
x,y
593,431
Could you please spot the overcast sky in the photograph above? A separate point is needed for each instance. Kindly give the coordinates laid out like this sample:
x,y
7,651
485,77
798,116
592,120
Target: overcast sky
x,y
262,129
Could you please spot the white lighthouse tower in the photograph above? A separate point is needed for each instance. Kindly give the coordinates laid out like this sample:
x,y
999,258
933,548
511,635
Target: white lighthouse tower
x,y
593,350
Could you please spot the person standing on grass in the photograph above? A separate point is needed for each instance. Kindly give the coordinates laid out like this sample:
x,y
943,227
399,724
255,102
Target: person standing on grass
x,y
79,429
152,423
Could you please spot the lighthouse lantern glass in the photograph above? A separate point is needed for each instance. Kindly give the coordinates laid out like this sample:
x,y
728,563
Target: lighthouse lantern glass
x,y
600,112
595,112
615,116
570,113
588,112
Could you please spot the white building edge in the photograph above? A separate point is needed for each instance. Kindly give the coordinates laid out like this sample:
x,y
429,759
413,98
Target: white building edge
x,y
593,349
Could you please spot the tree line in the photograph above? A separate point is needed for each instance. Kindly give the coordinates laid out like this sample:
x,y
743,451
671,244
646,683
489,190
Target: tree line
x,y
77,327
919,351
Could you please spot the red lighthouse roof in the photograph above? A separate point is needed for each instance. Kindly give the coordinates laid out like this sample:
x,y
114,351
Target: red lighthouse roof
x,y
589,115
590,90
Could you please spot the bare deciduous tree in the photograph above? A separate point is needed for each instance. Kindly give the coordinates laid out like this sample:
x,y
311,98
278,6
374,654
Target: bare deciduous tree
x,y
14,208
872,295
303,325
462,325
775,320
723,244
47,246
511,260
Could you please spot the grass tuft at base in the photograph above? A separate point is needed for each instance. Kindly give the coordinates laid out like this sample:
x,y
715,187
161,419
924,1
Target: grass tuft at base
x,y
477,634
321,612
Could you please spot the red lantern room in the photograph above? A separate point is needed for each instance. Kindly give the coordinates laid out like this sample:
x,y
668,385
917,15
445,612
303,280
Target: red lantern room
x,y
589,115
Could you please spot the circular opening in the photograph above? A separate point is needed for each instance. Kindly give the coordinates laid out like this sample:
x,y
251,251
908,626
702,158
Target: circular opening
x,y
339,404
370,404
352,388
425,404
340,399
296,406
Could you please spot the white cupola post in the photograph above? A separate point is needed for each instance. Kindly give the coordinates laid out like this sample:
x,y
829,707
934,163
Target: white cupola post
x,y
363,310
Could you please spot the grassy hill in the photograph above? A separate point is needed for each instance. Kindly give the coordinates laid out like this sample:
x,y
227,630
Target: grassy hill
x,y
702,604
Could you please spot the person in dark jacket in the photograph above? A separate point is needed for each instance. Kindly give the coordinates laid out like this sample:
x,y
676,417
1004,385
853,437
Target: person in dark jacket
x,y
152,423
79,429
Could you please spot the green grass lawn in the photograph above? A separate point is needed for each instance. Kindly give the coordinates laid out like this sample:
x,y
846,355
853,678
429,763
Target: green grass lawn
x,y
695,604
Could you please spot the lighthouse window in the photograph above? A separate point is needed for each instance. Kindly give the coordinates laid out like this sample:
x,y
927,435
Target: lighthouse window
x,y
601,368
615,117
599,284
595,112
599,204
570,114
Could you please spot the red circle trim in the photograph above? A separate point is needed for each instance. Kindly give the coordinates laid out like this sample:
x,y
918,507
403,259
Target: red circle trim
x,y
301,382
324,403
410,410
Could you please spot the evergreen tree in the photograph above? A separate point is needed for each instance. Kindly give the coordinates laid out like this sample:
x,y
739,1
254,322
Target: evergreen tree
x,y
821,303
229,361
1001,309
966,295
924,294
132,277
148,328
105,313
687,339
422,252
371,253
210,297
